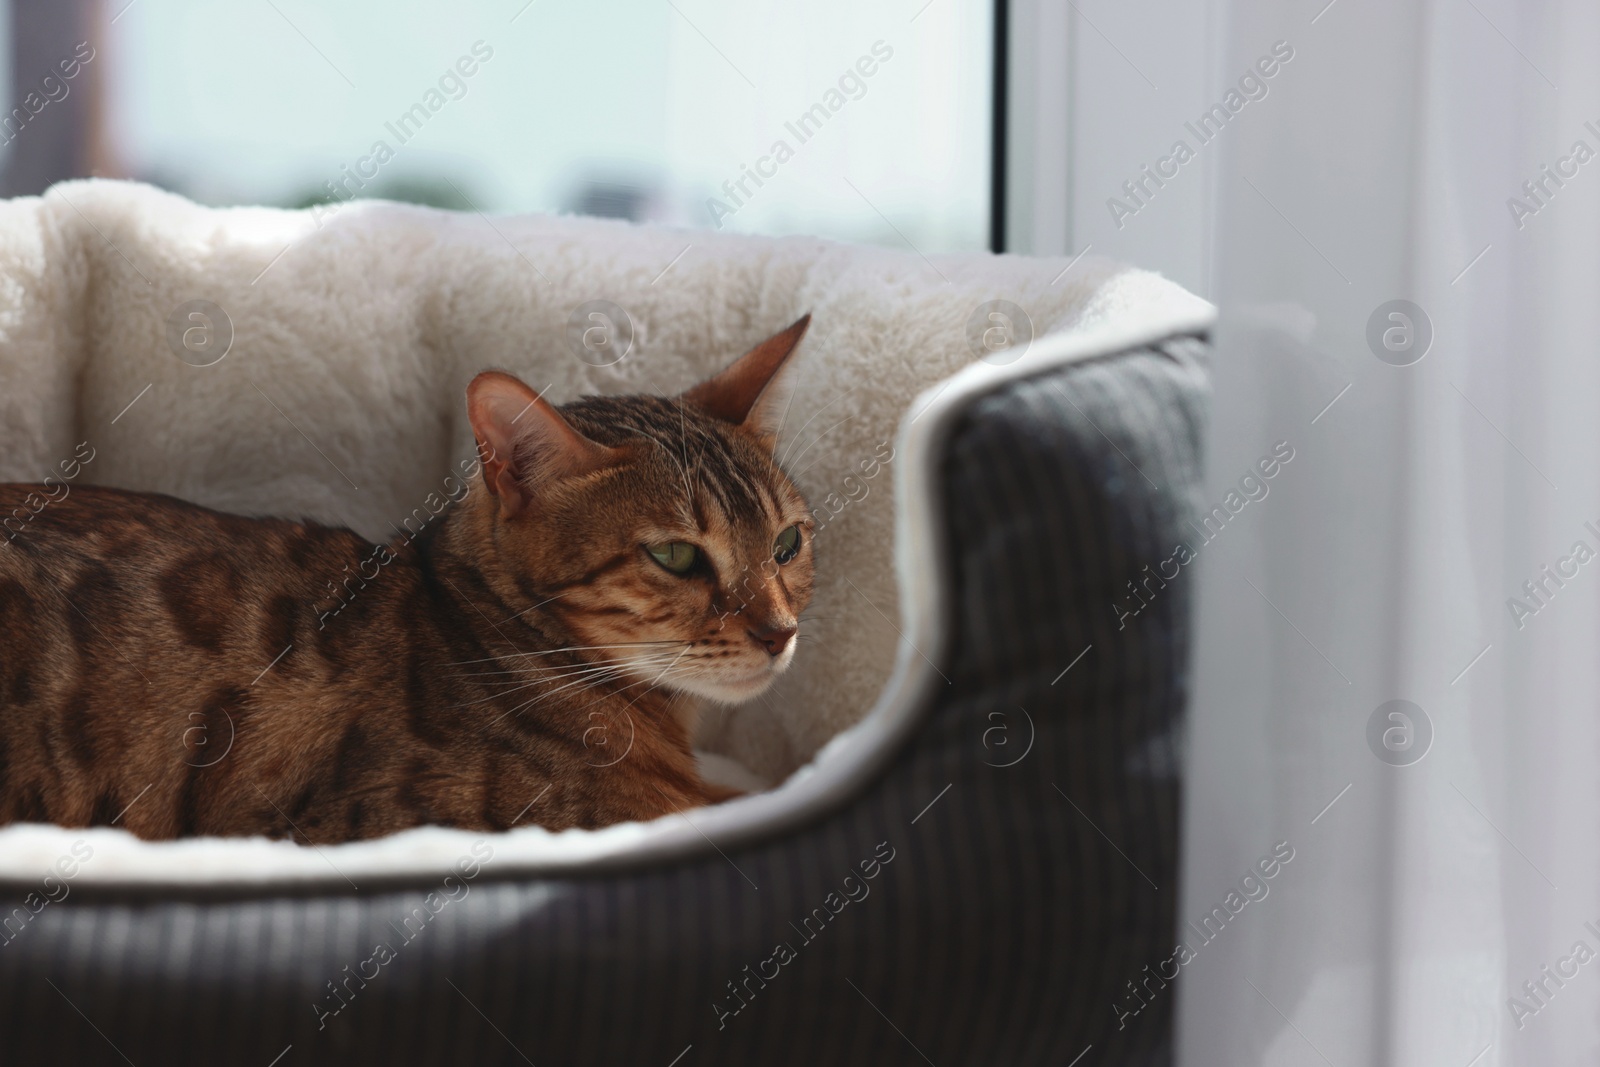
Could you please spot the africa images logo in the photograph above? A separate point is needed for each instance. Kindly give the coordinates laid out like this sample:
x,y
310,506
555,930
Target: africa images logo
x,y
1252,85
1252,889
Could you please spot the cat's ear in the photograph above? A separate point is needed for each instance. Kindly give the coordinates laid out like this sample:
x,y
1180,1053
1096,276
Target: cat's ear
x,y
754,392
523,440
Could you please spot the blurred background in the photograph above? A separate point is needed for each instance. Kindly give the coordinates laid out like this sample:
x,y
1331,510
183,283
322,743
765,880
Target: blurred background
x,y
639,109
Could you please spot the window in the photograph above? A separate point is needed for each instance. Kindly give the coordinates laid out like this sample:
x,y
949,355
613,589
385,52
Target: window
x,y
850,121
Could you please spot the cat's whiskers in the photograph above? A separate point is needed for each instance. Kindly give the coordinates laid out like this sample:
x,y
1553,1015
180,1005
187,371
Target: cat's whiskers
x,y
683,440
614,674
655,683
540,604
592,673
783,461
687,504
617,663
583,677
646,693
557,671
657,680
816,441
667,670
554,651
516,673
700,460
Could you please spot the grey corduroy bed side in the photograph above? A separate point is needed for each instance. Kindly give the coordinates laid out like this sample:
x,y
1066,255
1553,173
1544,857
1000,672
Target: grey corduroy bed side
x,y
990,894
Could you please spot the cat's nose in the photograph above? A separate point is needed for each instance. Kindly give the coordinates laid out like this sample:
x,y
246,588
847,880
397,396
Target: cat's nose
x,y
774,638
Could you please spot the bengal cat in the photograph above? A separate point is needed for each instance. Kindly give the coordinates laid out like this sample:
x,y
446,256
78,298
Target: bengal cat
x,y
533,655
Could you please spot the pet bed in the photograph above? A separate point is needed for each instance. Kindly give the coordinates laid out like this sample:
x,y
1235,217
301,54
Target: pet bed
x,y
969,854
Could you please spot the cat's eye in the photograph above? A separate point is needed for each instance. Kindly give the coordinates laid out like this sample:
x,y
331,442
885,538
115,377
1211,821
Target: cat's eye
x,y
677,556
787,545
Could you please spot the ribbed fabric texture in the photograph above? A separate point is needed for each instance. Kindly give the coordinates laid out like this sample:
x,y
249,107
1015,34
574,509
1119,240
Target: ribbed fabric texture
x,y
1006,929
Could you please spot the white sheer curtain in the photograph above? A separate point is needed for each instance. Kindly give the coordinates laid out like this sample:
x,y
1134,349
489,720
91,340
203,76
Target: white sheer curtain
x,y
1388,558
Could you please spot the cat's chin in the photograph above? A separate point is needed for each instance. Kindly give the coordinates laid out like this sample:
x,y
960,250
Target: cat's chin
x,y
729,691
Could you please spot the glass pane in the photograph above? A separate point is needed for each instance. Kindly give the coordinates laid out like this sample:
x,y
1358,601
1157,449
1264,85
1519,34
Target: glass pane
x,y
847,120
